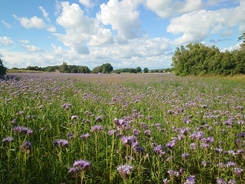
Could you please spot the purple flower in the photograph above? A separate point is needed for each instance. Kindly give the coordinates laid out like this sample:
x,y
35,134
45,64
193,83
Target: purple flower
x,y
185,156
124,170
70,135
139,149
61,143
96,128
26,146
111,132
173,173
73,117
85,136
79,166
193,146
24,130
230,164
99,119
166,180
147,132
190,180
129,140
238,171
8,139
171,144
220,181
66,106
159,150
136,132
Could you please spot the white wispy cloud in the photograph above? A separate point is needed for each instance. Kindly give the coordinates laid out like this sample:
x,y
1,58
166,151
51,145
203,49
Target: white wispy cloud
x,y
24,41
7,25
88,3
31,48
6,40
33,22
45,14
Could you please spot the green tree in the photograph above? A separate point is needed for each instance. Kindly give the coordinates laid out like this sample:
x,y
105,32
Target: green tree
x,y
242,45
138,70
97,69
2,68
64,68
106,68
146,70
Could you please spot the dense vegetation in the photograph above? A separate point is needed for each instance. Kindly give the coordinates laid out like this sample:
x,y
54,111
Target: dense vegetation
x,y
141,129
198,59
2,68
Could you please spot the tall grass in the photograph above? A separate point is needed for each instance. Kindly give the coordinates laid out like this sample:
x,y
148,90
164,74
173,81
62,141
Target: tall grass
x,y
144,128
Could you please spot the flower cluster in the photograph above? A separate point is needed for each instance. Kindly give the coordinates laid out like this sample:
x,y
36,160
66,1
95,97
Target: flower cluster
x,y
61,143
24,130
124,170
79,166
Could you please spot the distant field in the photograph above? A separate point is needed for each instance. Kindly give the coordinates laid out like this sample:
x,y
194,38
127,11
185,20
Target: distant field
x,y
121,128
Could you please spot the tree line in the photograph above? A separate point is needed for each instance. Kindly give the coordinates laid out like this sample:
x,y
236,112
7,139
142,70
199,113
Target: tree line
x,y
199,59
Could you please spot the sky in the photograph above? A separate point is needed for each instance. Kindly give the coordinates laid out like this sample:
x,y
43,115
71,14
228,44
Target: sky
x,y
124,33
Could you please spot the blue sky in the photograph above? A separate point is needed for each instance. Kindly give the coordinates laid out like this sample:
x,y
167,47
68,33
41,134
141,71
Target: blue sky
x,y
125,33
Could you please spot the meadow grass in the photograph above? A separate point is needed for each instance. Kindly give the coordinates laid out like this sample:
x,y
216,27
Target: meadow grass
x,y
127,128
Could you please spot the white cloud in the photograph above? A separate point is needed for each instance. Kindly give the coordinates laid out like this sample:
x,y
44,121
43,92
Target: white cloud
x,y
228,32
24,41
33,22
87,3
197,25
7,25
234,47
32,48
80,29
6,40
169,8
51,29
45,14
122,16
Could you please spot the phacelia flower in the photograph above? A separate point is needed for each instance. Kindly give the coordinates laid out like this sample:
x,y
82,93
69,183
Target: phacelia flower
x,y
85,136
129,140
66,106
26,146
124,170
24,130
79,166
8,139
190,180
61,143
96,128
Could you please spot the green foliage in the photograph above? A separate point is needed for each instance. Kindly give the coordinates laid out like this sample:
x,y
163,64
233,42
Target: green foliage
x,y
2,68
198,59
146,70
104,68
138,70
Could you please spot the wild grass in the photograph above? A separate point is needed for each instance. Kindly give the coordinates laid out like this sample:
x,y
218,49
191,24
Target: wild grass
x,y
127,128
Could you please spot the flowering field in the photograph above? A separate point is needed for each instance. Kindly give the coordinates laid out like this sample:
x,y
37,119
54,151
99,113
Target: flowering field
x,y
142,128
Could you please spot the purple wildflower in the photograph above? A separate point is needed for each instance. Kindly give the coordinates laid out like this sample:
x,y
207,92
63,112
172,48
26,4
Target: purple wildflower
x,y
190,180
238,171
173,173
220,181
139,149
159,150
230,164
99,119
96,128
61,143
124,170
193,146
166,180
66,106
8,139
24,130
70,135
231,181
129,140
147,132
85,136
171,144
74,117
79,166
136,132
26,146
185,156
111,132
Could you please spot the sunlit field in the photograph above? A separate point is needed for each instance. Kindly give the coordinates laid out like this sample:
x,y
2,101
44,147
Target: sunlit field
x,y
126,128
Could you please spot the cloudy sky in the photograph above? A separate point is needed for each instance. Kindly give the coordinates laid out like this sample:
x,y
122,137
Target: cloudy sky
x,y
125,33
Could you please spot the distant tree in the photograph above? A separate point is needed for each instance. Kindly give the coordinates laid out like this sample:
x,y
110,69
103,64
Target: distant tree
x,y
242,45
2,68
64,68
146,70
138,70
97,69
106,68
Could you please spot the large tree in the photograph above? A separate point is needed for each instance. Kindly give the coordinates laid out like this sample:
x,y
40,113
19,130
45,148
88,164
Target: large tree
x,y
242,45
2,68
